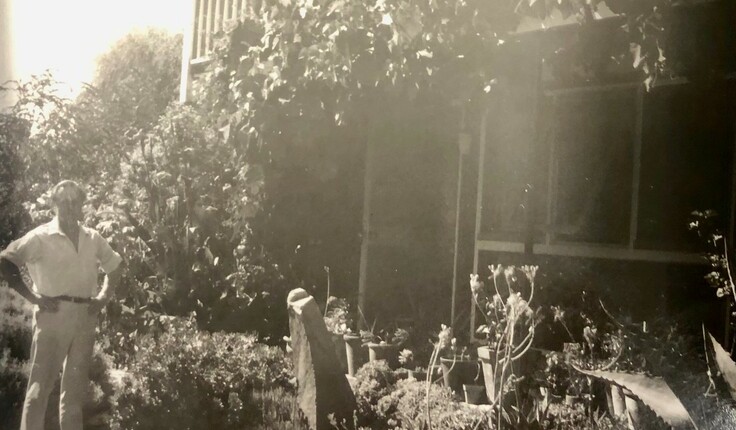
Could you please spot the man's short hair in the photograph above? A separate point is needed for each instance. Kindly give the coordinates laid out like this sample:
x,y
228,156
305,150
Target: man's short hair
x,y
67,191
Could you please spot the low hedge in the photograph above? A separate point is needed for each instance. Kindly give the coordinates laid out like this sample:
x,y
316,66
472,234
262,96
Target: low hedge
x,y
190,379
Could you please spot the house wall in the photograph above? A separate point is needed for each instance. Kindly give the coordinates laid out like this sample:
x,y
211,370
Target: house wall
x,y
409,213
615,169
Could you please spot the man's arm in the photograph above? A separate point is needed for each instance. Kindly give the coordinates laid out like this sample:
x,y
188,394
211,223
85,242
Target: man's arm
x,y
109,285
12,276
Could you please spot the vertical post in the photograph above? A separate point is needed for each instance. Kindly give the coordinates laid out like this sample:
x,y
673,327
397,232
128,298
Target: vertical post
x,y
226,7
463,149
186,54
208,27
478,207
7,53
219,15
537,97
728,341
551,178
635,180
201,17
366,239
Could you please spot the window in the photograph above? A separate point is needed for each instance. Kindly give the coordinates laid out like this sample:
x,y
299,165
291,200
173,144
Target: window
x,y
592,164
685,163
617,171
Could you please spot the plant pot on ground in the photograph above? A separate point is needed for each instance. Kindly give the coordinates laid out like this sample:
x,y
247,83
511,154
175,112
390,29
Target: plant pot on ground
x,y
385,345
487,362
355,354
474,394
338,320
460,370
407,362
384,351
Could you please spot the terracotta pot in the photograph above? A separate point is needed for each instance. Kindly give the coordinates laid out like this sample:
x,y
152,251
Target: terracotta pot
x,y
474,394
355,354
487,358
456,372
340,350
384,351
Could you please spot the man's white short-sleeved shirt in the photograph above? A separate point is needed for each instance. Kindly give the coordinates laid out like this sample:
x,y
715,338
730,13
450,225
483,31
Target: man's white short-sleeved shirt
x,y
56,268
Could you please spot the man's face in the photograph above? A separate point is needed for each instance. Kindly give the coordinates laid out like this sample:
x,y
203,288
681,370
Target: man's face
x,y
69,210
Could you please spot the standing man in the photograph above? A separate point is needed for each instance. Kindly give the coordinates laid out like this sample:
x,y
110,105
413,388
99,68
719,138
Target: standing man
x,y
62,258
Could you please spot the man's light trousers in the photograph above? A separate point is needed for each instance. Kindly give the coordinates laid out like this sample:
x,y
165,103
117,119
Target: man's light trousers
x,y
61,340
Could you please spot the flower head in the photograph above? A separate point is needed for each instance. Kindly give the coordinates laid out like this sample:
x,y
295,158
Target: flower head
x,y
559,314
444,338
530,272
406,356
475,284
510,274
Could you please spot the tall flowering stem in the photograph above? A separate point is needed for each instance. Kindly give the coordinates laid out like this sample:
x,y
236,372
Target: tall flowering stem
x,y
444,340
509,319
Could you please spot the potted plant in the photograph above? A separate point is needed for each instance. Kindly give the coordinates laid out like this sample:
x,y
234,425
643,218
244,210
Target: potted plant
x,y
384,345
458,367
355,353
556,377
509,321
337,320
474,394
406,360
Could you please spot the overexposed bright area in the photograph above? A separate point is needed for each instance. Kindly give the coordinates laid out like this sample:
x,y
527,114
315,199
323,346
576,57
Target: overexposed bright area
x,y
67,36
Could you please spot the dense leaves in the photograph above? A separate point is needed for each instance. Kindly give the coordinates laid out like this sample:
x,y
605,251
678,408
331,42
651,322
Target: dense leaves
x,y
190,379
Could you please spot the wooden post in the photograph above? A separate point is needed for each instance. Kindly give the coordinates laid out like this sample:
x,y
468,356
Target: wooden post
x,y
234,10
478,207
219,13
201,36
186,54
636,179
366,239
728,343
534,142
463,148
209,27
7,54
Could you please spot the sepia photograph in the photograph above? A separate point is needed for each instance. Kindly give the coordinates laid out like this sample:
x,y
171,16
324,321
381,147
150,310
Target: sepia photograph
x,y
367,214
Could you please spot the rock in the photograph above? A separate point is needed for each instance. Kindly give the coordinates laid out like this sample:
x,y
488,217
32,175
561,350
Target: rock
x,y
323,389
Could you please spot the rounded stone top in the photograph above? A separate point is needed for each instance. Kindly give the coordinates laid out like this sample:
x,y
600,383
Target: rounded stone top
x,y
296,294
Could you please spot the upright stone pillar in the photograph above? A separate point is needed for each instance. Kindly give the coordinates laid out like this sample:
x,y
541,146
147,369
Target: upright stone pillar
x,y
323,389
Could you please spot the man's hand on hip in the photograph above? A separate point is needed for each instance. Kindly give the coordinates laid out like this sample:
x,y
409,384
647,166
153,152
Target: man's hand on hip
x,y
95,306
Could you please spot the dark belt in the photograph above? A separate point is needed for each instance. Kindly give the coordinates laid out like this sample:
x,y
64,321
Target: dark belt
x,y
72,299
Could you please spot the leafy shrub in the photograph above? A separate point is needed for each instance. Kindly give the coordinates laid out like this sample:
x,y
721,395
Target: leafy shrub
x,y
13,135
190,379
406,407
373,381
13,380
179,215
279,409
